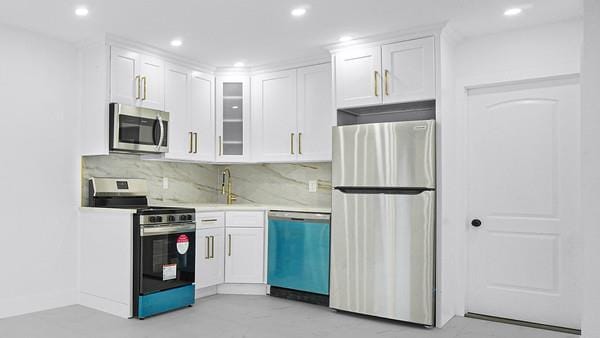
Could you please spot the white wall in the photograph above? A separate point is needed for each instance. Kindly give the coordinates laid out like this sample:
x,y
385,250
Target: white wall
x,y
537,52
591,167
39,172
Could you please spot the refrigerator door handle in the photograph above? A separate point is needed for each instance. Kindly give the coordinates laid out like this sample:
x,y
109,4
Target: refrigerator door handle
x,y
382,190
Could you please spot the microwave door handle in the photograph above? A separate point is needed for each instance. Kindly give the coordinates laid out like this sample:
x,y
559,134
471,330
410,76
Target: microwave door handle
x,y
162,132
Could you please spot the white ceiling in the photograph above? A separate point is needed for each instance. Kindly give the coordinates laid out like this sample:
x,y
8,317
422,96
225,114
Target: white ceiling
x,y
221,32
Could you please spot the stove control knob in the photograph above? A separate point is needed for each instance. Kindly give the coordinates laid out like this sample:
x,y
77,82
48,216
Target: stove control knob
x,y
152,219
158,219
182,218
171,218
189,217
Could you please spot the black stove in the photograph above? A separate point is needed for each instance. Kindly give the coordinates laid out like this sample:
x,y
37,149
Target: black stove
x,y
164,245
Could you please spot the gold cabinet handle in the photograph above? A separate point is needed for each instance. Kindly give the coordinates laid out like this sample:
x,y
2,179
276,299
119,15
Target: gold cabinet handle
x,y
191,143
229,246
137,87
207,247
195,143
376,76
292,143
386,85
212,246
299,143
220,146
145,87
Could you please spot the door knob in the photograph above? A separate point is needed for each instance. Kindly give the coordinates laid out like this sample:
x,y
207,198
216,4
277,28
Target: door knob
x,y
476,223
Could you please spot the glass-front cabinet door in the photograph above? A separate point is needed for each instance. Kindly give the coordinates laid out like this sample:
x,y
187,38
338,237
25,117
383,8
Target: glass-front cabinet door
x,y
232,137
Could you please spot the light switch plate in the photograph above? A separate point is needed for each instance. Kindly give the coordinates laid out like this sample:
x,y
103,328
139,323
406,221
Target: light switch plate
x,y
312,186
165,183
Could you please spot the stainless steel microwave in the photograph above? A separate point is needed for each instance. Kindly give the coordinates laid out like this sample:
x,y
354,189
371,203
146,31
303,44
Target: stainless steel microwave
x,y
138,130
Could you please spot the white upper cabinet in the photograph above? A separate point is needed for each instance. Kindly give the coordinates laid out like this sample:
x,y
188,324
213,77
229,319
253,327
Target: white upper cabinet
x,y
408,71
202,107
391,73
274,116
291,115
177,98
124,79
152,73
358,77
136,79
314,113
189,99
233,119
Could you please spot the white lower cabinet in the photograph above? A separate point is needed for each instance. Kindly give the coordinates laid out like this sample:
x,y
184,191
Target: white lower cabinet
x,y
244,256
210,257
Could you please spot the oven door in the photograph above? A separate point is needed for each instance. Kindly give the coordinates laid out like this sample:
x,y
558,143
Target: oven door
x,y
135,129
167,257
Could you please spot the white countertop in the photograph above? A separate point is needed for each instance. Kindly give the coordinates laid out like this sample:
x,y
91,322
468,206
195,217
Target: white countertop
x,y
220,207
247,207
105,210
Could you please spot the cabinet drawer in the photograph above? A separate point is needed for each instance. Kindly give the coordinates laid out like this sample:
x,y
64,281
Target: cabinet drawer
x,y
245,219
210,219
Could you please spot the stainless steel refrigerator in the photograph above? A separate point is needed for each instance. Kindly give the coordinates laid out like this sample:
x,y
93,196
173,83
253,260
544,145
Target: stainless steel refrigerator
x,y
383,220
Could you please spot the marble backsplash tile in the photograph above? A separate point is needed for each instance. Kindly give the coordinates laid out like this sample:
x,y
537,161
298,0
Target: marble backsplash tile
x,y
285,184
188,182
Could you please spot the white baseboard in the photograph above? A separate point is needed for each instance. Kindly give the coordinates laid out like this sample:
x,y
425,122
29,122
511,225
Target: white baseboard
x,y
242,289
14,306
105,305
205,292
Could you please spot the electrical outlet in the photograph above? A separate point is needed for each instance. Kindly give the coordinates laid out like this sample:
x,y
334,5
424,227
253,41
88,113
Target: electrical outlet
x,y
165,183
312,186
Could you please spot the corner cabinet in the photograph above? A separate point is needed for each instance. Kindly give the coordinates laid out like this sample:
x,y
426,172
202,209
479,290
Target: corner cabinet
x,y
291,115
389,73
244,247
233,119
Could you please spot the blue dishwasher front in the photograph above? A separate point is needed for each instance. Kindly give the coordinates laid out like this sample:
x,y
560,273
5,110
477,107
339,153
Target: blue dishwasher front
x,y
298,251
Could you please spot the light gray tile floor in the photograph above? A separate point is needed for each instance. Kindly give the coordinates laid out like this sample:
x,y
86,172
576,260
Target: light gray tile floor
x,y
225,316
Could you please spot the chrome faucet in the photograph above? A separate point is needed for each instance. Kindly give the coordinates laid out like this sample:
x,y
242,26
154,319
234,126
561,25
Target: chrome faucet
x,y
227,191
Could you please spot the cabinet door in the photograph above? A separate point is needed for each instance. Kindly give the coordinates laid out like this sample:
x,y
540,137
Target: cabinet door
x,y
315,113
358,77
409,71
210,257
203,116
152,71
125,86
274,127
176,103
233,118
244,261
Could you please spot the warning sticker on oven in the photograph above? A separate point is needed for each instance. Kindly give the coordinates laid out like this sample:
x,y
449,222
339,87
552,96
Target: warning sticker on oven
x,y
169,271
183,244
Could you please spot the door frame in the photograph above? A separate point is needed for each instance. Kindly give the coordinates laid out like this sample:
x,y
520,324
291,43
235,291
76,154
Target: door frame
x,y
461,217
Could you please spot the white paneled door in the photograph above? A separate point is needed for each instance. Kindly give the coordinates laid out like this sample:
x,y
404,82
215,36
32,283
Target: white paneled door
x,y
524,227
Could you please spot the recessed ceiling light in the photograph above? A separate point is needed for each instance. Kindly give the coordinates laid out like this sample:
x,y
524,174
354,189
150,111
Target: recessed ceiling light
x,y
81,11
513,11
235,107
176,43
238,64
298,11
345,38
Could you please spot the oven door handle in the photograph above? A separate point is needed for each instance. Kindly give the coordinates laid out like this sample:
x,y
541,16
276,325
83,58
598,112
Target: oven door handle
x,y
166,230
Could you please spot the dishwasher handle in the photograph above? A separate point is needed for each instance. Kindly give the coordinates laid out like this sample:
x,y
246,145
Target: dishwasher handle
x,y
300,216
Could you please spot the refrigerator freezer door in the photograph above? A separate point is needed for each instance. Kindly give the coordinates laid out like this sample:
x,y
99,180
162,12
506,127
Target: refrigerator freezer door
x,y
382,255
396,154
